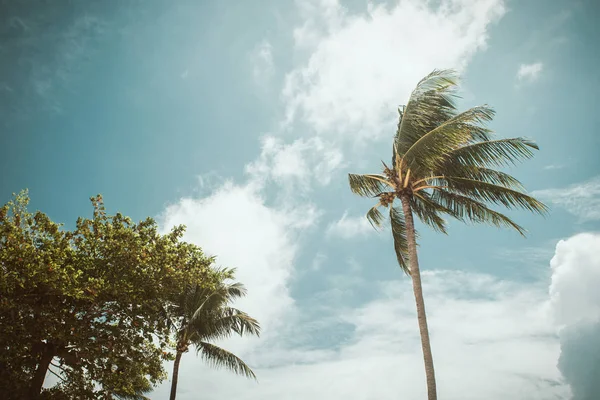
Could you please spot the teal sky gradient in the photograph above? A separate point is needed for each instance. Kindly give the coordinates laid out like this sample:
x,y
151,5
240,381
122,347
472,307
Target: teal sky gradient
x,y
137,100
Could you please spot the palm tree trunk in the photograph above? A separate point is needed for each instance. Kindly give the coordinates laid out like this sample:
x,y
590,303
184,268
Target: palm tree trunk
x,y
175,375
37,382
418,291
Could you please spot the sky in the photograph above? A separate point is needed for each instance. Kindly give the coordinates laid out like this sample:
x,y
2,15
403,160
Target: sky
x,y
241,120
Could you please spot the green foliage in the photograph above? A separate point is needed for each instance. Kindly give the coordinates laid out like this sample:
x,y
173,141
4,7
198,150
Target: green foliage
x,y
442,166
96,300
204,315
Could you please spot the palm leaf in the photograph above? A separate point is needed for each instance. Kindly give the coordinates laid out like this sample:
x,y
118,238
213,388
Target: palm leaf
x,y
496,194
466,208
480,174
375,216
223,323
428,211
206,299
436,145
369,185
204,314
137,396
499,152
400,241
430,104
218,357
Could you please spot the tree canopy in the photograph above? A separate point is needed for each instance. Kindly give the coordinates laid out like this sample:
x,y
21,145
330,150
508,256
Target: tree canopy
x,y
91,305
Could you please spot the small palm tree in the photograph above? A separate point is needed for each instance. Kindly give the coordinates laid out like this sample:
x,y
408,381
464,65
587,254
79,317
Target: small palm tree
x,y
442,164
205,316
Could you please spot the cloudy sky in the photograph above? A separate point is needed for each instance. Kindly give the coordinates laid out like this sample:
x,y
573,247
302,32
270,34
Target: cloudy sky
x,y
241,121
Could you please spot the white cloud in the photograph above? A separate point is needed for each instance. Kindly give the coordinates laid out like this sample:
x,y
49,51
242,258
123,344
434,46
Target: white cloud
x,y
295,166
529,72
234,224
354,71
262,60
349,227
493,337
362,66
581,199
575,304
576,279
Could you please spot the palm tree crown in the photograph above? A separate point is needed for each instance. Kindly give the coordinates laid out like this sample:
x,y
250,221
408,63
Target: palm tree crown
x,y
205,316
443,164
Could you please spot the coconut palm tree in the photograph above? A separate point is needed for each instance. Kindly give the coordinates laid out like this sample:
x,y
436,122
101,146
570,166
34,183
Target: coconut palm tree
x,y
443,165
205,316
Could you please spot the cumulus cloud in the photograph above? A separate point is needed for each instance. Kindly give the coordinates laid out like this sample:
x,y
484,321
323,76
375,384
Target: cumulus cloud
x,y
575,303
580,359
348,227
235,217
362,66
529,72
580,199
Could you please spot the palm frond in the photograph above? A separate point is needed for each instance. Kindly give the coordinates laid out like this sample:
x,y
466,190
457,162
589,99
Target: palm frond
x,y
375,216
137,396
431,103
496,194
480,174
436,145
369,185
465,208
133,390
501,152
218,357
400,241
429,211
210,299
221,324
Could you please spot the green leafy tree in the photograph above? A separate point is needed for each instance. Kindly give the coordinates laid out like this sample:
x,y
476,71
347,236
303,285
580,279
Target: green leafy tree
x,y
205,315
89,305
443,165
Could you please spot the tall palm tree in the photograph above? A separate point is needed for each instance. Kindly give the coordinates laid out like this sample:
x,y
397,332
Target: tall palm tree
x,y
205,316
442,164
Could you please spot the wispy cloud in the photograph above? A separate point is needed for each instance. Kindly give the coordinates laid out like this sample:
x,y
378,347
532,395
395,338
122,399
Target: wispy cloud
x,y
357,72
35,36
528,262
318,261
348,227
296,166
262,60
529,72
580,199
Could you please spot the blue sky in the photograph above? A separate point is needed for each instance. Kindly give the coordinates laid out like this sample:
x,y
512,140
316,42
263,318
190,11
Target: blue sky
x,y
241,120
